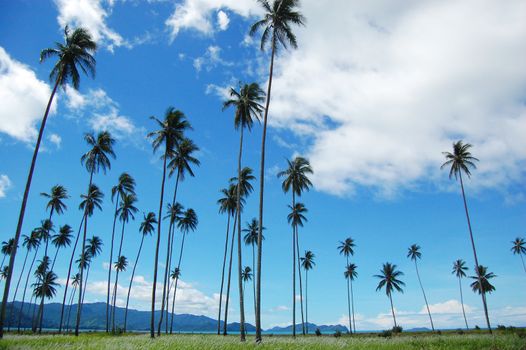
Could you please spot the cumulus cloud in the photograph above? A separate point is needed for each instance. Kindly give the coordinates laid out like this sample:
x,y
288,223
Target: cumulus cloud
x,y
5,184
55,139
24,99
381,89
222,20
211,59
447,307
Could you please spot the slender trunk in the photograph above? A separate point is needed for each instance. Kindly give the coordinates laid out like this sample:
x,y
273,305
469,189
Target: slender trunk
x,y
3,259
239,253
392,309
475,254
70,306
352,306
424,294
254,273
172,234
16,291
131,281
12,257
69,274
229,276
114,300
85,284
176,280
156,261
34,316
110,264
349,299
116,275
48,233
223,275
293,270
41,315
307,300
55,258
261,192
462,302
299,276
522,259
25,288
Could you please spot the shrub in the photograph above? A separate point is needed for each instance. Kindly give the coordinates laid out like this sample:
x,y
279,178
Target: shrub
x,y
501,327
477,328
317,332
337,334
460,331
385,334
397,329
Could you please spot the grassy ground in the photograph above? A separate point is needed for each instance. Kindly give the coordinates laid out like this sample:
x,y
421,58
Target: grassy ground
x,y
451,341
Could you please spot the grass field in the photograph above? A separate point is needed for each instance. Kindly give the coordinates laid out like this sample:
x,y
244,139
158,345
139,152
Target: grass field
x,y
361,342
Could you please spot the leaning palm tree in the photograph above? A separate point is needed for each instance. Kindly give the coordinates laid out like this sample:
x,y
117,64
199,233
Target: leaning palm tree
x,y
459,268
77,50
350,274
461,161
481,283
251,239
32,243
74,283
414,254
519,248
247,103
7,249
55,205
188,222
93,249
146,228
125,185
389,279
307,262
61,240
347,248
276,24
170,132
42,267
120,265
45,288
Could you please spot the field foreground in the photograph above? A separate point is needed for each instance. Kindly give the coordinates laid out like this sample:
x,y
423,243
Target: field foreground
x,y
187,341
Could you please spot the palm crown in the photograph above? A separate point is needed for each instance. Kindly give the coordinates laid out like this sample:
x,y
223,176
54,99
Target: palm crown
x,y
127,208
246,274
63,238
94,246
485,276
101,149
245,179
7,247
121,263
46,226
170,130
182,158
389,279
228,202
46,284
460,161
251,236
296,176
126,185
56,196
247,103
147,224
347,247
414,252
519,246
307,261
173,212
296,217
350,271
176,273
92,200
459,268
32,241
188,221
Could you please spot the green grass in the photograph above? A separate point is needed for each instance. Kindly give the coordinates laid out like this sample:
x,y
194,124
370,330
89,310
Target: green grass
x,y
201,342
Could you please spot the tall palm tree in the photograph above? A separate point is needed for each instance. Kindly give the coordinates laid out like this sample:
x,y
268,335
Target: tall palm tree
x,y
45,229
459,268
7,249
296,180
389,279
61,240
307,262
414,254
3,273
251,239
188,222
181,163
77,50
461,161
350,274
481,283
93,249
120,265
170,132
276,24
246,275
40,271
247,103
125,185
347,248
519,248
146,228
74,283
55,205
45,288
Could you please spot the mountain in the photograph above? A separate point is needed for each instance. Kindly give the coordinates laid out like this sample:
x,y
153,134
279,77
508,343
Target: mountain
x,y
312,328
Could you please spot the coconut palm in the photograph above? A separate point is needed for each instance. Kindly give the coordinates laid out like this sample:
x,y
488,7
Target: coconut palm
x,y
40,271
45,229
251,239
481,283
77,50
414,254
459,268
93,249
461,161
182,160
125,185
55,205
519,248
246,275
174,275
307,262
389,279
61,240
7,249
146,228
120,265
347,248
44,288
170,132
188,222
74,283
350,274
277,27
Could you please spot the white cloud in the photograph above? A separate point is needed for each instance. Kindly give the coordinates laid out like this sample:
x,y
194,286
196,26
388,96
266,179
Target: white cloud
x,y
55,139
223,92
5,184
222,20
447,307
24,99
74,99
118,125
211,59
380,90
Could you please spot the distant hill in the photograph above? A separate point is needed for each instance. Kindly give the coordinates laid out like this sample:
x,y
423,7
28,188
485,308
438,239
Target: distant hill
x,y
312,328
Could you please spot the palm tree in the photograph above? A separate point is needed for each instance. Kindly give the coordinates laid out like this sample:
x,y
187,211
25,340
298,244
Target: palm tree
x,y
77,50
32,243
188,222
389,279
45,229
246,275
61,240
55,204
276,24
251,238
347,248
350,274
307,262
40,271
481,283
3,273
7,249
519,248
461,161
45,287
125,185
415,254
146,228
74,283
120,265
170,133
93,249
181,163
459,268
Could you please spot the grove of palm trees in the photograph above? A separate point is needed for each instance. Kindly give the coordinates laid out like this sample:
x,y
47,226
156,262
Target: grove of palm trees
x,y
137,247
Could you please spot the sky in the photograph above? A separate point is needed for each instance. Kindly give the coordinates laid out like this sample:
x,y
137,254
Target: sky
x,y
374,94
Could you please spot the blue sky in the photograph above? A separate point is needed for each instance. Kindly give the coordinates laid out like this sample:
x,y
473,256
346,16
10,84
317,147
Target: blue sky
x,y
372,97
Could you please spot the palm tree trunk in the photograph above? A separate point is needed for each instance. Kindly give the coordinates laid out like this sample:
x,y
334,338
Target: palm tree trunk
x,y
475,253
34,316
352,306
156,261
254,277
349,299
177,279
114,300
424,294
172,234
3,259
70,306
25,288
16,291
239,253
109,266
41,314
131,281
229,276
167,265
307,300
261,191
55,258
12,257
522,259
299,276
69,274
462,302
293,270
223,275
47,233
392,309
85,284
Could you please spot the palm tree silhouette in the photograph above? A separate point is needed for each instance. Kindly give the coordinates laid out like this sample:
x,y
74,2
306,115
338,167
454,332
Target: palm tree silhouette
x,y
347,248
45,229
7,249
459,268
31,242
389,279
307,262
251,239
61,240
93,249
40,271
55,205
481,283
45,287
246,275
120,265
519,248
77,50
415,254
350,274
74,283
